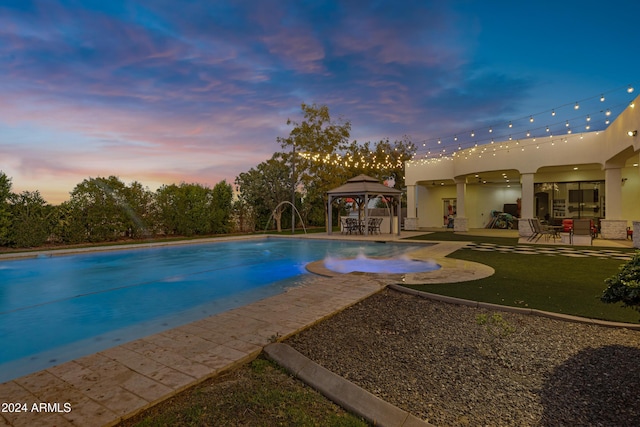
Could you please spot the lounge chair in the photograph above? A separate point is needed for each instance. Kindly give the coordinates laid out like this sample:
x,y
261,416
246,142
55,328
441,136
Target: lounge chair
x,y
534,233
540,230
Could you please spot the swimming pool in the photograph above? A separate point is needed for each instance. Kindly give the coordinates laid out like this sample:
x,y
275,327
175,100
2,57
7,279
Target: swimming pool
x,y
55,309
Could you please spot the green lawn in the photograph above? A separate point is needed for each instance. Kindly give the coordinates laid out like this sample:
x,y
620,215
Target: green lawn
x,y
551,283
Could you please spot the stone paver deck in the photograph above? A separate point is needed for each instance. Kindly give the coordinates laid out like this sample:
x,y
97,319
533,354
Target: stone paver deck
x,y
102,388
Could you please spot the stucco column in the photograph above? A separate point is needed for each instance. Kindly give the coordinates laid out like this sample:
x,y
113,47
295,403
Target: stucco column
x,y
411,221
613,193
460,223
526,204
613,226
526,201
411,201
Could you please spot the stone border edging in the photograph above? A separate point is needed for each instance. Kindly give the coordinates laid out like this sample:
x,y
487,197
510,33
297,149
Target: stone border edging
x,y
341,391
510,309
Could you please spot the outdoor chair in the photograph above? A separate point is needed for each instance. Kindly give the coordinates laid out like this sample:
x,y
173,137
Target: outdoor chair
x,y
582,227
534,234
344,226
540,230
374,225
353,224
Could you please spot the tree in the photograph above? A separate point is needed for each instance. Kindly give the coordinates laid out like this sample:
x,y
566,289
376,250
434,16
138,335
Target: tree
x,y
5,215
325,159
265,188
385,160
139,206
182,208
317,140
30,220
191,209
98,207
68,225
221,205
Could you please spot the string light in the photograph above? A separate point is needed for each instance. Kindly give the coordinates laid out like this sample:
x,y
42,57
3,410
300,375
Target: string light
x,y
470,138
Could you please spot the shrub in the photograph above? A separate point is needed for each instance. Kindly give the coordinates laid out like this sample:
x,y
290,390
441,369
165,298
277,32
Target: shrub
x,y
625,286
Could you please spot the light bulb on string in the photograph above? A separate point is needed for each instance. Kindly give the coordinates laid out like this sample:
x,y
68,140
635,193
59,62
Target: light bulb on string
x,y
630,89
576,107
602,98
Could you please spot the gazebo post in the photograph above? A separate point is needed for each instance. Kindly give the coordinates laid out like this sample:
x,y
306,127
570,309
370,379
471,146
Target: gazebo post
x,y
330,224
391,210
398,213
366,214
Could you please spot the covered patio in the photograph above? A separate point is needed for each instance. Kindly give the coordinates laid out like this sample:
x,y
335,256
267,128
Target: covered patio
x,y
362,189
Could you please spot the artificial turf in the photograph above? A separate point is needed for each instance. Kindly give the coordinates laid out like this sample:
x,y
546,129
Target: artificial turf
x,y
546,282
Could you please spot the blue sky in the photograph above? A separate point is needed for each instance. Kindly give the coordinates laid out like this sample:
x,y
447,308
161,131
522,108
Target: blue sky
x,y
163,91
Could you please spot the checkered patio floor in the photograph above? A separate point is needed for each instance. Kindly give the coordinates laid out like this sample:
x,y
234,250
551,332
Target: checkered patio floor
x,y
552,251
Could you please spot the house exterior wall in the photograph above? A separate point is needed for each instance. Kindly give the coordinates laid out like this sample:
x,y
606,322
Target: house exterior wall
x,y
576,158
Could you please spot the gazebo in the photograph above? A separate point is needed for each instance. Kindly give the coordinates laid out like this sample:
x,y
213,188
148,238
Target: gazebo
x,y
363,188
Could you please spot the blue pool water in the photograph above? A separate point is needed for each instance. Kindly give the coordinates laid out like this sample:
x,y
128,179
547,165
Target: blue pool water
x,y
54,309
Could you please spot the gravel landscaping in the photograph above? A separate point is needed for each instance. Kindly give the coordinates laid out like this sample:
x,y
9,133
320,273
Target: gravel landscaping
x,y
440,363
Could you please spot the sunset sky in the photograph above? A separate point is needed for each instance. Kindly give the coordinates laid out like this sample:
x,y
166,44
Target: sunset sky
x,y
164,91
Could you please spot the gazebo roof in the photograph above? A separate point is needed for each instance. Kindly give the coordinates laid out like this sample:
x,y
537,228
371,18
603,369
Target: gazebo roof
x,y
361,185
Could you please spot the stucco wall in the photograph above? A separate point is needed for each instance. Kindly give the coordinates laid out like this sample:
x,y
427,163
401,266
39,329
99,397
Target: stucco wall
x,y
482,199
